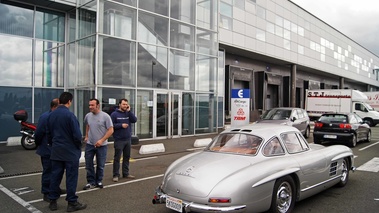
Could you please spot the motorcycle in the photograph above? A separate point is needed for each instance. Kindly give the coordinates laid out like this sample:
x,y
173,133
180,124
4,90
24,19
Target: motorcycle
x,y
27,130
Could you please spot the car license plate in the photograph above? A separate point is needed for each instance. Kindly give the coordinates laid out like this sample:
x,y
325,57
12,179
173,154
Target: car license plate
x,y
174,204
330,136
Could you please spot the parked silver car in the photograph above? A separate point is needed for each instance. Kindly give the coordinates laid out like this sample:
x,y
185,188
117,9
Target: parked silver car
x,y
255,168
295,117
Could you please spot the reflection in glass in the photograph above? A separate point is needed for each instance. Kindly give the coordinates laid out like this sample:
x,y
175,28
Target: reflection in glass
x,y
188,101
87,20
83,95
16,20
206,68
183,10
152,29
152,66
207,13
86,62
182,70
42,99
11,100
182,36
15,61
71,25
128,2
155,6
49,25
118,20
144,110
206,42
116,62
71,65
49,63
206,119
162,115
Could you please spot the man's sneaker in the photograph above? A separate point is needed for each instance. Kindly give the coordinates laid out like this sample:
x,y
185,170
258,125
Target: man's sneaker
x,y
130,176
99,185
115,179
88,186
46,198
75,206
53,205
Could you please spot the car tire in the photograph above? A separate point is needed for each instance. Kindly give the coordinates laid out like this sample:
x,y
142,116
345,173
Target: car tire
x,y
369,122
307,132
28,143
353,141
283,195
344,173
368,137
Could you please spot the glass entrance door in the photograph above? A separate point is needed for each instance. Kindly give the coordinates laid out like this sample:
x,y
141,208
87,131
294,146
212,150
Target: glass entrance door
x,y
176,115
167,114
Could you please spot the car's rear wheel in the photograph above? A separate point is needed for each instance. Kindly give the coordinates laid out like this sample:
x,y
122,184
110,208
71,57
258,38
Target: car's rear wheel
x,y
307,132
284,194
344,173
353,141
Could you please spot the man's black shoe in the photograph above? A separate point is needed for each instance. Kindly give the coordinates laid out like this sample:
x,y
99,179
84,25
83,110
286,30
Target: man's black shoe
x,y
53,205
46,198
75,206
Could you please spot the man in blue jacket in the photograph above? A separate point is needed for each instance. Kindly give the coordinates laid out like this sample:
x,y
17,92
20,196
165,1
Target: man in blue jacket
x,y
44,149
122,119
65,137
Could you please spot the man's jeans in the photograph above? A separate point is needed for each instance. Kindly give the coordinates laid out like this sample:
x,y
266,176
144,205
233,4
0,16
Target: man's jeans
x,y
101,156
121,147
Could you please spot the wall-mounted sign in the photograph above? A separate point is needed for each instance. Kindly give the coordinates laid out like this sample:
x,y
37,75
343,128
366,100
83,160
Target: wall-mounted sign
x,y
240,107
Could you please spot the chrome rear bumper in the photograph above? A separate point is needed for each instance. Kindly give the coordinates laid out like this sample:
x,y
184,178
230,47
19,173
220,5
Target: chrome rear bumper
x,y
160,198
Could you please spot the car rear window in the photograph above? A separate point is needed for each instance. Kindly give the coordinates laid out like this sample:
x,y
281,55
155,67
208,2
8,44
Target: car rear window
x,y
334,118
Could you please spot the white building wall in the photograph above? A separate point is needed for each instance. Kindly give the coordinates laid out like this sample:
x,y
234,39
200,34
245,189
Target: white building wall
x,y
290,33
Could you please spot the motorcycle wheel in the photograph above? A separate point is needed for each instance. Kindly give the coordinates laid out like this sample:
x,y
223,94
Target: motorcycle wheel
x,y
28,143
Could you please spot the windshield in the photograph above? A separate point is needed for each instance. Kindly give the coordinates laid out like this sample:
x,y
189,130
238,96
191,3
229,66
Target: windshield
x,y
277,114
238,143
369,108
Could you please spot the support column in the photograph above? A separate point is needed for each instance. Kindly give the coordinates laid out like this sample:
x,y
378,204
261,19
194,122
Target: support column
x,y
342,82
293,86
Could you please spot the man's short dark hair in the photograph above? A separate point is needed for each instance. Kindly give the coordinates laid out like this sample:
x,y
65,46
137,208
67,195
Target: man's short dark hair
x,y
54,103
65,98
94,99
123,99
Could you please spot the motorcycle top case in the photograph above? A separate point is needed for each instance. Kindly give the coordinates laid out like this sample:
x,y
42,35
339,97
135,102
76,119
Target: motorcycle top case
x,y
21,115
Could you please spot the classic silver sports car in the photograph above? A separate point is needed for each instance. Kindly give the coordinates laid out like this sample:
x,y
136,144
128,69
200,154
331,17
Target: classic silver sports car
x,y
255,168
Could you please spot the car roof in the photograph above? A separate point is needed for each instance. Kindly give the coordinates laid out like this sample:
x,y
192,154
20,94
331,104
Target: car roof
x,y
264,130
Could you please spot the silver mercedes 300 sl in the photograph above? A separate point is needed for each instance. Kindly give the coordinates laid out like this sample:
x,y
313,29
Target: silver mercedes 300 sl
x,y
255,168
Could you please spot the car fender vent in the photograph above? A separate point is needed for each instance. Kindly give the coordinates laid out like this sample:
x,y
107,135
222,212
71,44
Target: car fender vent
x,y
235,130
333,168
245,130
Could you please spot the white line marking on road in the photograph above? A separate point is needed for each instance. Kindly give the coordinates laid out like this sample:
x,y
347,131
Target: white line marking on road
x,y
366,147
377,199
19,200
108,186
370,166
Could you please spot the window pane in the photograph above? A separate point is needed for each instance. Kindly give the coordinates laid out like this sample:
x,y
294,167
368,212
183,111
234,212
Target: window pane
x,y
188,101
144,114
117,62
50,25
16,20
42,99
183,10
182,36
152,66
11,100
205,113
207,14
118,21
72,25
15,61
152,29
129,2
206,73
49,64
206,42
182,70
71,65
87,20
86,62
155,6
226,9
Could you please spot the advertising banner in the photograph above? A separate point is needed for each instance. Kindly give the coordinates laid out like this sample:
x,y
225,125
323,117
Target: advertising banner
x,y
240,107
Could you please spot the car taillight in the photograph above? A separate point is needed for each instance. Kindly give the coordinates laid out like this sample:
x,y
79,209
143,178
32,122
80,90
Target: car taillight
x,y
219,200
345,126
318,125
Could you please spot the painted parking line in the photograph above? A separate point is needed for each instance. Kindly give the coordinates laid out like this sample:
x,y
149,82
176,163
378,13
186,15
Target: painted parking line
x,y
366,147
370,166
19,200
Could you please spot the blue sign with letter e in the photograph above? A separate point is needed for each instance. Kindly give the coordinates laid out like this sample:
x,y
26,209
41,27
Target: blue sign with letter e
x,y
240,93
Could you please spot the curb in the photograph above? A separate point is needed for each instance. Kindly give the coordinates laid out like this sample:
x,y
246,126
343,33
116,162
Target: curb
x,y
151,148
14,141
202,142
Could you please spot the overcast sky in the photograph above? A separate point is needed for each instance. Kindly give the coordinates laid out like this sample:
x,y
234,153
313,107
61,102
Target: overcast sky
x,y
358,20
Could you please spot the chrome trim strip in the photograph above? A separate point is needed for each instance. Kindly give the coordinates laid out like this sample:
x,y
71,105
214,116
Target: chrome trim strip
x,y
321,183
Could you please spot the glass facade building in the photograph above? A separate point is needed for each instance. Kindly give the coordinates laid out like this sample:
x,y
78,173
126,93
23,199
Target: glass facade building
x,y
162,55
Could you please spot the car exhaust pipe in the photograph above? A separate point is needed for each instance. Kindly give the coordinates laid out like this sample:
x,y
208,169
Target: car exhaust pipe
x,y
27,133
353,168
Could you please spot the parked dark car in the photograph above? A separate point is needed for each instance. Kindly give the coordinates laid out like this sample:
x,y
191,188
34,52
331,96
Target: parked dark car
x,y
295,117
347,128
